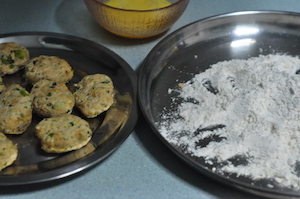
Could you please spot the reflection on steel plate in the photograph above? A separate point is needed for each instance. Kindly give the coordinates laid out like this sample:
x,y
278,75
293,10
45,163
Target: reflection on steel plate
x,y
114,119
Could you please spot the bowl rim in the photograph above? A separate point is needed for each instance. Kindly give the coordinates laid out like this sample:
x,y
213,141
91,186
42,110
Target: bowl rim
x,y
132,10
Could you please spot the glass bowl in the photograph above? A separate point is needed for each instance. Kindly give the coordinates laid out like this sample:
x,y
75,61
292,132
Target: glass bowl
x,y
136,24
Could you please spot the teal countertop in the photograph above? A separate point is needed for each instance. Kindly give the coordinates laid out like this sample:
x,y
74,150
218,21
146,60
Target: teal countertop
x,y
142,167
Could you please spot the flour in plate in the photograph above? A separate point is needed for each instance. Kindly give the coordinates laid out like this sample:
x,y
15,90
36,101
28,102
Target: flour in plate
x,y
252,110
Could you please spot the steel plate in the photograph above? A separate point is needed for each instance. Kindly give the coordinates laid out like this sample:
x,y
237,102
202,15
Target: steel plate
x,y
193,48
110,129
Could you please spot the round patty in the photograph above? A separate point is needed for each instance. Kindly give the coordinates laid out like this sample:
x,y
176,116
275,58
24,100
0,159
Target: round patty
x,y
63,133
51,98
8,151
48,67
15,109
94,94
12,57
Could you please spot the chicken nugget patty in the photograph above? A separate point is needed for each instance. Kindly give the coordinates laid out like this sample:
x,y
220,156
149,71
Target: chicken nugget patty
x,y
48,67
94,94
51,98
8,151
12,57
15,109
63,133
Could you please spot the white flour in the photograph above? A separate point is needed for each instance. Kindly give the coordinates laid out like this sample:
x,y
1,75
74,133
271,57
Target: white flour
x,y
254,106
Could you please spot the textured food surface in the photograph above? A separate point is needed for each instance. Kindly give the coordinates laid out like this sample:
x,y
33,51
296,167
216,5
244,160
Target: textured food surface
x,y
15,109
51,98
48,67
12,57
8,151
94,94
2,86
63,133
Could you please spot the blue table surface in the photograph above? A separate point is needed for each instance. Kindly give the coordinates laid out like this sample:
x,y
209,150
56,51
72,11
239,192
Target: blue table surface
x,y
142,167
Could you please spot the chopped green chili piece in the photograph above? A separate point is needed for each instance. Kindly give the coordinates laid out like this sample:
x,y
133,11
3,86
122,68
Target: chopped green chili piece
x,y
8,60
24,93
105,82
51,134
20,54
50,104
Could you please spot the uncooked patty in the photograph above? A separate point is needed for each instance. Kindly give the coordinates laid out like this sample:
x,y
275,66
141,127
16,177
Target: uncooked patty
x,y
63,133
8,151
48,67
94,94
15,109
2,86
51,98
12,57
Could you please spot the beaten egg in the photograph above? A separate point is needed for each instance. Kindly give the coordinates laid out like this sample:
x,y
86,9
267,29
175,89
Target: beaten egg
x,y
138,4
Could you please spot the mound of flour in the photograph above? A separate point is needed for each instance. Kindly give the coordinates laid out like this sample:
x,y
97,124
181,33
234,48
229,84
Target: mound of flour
x,y
253,107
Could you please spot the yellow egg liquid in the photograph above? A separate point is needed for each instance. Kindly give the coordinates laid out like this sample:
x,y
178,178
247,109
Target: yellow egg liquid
x,y
138,18
138,4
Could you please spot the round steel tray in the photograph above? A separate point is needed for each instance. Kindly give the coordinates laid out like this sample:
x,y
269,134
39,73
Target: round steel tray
x,y
193,48
110,129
